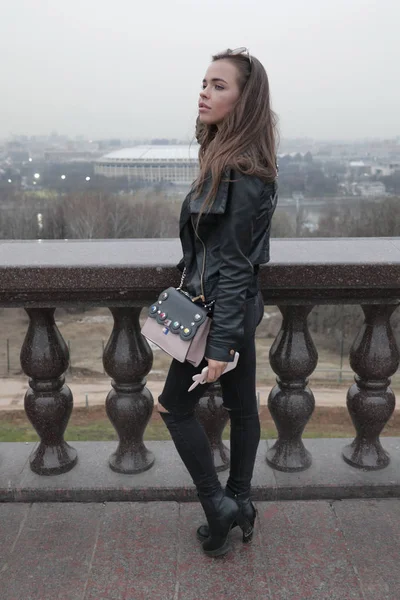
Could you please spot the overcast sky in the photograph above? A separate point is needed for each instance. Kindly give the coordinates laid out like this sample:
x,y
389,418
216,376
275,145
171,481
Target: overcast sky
x,y
133,68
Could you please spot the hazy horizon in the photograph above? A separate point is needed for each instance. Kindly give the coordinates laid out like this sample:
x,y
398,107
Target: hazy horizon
x,y
134,70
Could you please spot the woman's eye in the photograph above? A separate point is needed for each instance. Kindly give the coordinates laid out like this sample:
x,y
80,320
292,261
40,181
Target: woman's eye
x,y
217,87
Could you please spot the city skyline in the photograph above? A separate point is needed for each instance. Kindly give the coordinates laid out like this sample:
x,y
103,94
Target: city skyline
x,y
134,71
60,136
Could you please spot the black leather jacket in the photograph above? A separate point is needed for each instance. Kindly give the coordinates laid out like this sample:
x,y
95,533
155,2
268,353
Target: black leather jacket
x,y
222,260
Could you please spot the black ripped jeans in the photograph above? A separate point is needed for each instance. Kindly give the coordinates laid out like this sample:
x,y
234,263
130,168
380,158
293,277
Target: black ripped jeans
x,y
239,397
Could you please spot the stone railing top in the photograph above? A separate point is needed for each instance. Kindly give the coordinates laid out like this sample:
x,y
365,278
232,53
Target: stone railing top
x,y
130,271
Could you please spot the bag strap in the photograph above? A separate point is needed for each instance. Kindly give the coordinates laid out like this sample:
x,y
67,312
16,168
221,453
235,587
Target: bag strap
x,y
207,305
182,279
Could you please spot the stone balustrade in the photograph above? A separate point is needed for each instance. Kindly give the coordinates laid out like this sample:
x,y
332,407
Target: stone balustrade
x,y
126,275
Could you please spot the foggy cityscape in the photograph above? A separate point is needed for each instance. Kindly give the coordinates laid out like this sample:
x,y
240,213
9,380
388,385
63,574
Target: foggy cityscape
x,y
325,187
86,83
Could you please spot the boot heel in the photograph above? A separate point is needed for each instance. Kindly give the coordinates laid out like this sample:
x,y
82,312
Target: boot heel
x,y
248,535
246,527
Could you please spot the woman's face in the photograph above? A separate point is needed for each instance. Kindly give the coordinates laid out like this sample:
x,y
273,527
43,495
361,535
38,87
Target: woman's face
x,y
220,92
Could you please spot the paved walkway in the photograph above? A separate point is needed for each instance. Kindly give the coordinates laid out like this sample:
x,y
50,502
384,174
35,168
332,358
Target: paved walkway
x,y
12,392
342,550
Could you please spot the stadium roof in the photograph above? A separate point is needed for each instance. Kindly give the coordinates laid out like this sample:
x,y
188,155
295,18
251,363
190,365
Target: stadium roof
x,y
181,152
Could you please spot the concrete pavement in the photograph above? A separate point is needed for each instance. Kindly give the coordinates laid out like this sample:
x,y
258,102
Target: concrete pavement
x,y
316,550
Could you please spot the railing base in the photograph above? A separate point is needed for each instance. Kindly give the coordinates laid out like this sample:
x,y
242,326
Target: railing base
x,y
53,460
92,480
370,457
129,463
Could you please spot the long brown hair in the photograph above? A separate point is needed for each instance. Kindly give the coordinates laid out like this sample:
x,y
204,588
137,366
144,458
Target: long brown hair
x,y
246,139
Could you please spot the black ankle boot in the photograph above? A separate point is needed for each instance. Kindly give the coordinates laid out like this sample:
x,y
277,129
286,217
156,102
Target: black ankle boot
x,y
221,512
245,519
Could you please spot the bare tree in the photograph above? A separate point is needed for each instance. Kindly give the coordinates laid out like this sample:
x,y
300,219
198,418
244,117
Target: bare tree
x,y
282,225
85,215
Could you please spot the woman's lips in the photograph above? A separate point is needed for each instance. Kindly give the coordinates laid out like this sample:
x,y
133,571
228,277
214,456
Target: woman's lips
x,y
203,106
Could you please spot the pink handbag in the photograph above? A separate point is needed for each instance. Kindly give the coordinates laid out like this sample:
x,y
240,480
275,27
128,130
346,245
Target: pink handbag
x,y
178,326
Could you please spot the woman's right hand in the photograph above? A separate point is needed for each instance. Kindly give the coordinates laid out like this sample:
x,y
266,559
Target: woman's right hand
x,y
215,369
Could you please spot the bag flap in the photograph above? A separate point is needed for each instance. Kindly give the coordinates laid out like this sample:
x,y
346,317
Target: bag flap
x,y
175,311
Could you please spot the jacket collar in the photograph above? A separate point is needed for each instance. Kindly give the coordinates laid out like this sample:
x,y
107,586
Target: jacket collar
x,y
219,205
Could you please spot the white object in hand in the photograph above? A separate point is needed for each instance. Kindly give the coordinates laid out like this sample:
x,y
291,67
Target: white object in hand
x,y
202,377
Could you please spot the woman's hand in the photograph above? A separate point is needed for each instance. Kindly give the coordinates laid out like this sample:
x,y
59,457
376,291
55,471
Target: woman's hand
x,y
215,369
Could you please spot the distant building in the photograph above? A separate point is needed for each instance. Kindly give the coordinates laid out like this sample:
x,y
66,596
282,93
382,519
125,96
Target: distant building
x,y
358,167
371,189
18,156
385,170
63,156
153,164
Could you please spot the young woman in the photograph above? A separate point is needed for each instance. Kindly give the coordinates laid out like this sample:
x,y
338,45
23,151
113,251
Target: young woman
x,y
224,229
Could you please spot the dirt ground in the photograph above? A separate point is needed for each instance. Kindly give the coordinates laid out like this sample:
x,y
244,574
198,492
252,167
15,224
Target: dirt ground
x,y
93,392
87,331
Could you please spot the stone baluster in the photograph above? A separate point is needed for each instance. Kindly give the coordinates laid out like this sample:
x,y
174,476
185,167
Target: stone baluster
x,y
211,414
48,401
293,357
374,357
129,405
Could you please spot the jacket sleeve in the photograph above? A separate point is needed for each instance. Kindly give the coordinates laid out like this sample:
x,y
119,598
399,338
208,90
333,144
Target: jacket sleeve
x,y
236,271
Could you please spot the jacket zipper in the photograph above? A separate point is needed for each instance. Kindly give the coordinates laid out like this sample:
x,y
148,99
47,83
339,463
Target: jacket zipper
x,y
202,296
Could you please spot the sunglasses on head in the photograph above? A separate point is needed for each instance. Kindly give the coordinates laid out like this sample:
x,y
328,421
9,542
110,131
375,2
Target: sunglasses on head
x,y
241,50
